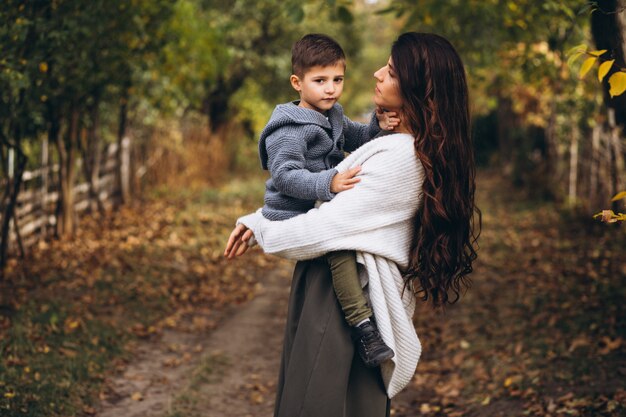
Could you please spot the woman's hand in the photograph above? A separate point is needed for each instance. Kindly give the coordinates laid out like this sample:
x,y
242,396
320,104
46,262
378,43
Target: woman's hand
x,y
238,241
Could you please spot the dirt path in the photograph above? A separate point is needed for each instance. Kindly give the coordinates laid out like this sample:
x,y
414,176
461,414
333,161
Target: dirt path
x,y
230,371
540,333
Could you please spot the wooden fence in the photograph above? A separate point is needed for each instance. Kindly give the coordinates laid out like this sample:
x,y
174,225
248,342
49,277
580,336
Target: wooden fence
x,y
35,215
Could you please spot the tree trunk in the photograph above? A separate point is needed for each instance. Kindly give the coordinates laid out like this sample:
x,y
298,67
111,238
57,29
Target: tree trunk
x,y
608,26
617,158
67,170
92,154
507,123
573,167
216,103
121,134
14,182
593,166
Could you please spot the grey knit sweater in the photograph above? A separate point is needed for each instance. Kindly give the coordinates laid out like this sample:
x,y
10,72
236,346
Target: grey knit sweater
x,y
300,148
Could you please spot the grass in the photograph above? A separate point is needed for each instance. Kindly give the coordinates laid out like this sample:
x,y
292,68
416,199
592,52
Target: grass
x,y
72,311
186,402
542,331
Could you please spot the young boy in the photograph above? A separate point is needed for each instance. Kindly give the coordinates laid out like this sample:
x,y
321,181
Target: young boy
x,y
300,146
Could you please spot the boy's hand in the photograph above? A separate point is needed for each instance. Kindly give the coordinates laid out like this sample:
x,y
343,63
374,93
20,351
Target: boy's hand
x,y
387,120
344,180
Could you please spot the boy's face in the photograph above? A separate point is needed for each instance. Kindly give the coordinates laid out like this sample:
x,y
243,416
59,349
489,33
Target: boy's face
x,y
320,87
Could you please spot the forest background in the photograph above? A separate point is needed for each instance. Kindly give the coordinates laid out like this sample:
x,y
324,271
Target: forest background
x,y
187,85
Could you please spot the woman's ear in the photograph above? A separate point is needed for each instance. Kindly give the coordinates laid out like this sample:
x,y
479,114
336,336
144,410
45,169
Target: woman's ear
x,y
295,82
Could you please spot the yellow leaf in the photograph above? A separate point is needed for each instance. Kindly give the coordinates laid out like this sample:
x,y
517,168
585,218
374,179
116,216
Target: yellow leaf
x,y
587,64
43,67
9,395
604,69
508,382
619,196
617,83
137,396
597,53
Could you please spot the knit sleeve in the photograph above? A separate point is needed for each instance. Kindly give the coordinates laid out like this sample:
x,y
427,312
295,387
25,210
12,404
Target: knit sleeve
x,y
357,134
286,164
375,216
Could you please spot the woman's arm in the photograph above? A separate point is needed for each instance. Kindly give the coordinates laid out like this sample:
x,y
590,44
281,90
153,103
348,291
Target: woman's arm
x,y
375,216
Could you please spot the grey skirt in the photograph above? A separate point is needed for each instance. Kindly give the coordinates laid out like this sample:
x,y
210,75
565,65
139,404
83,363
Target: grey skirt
x,y
320,373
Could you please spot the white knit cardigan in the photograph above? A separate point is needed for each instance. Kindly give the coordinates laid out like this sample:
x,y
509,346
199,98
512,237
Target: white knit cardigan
x,y
375,218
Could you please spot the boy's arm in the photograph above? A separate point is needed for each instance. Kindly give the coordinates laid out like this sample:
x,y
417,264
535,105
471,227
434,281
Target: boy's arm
x,y
286,165
357,134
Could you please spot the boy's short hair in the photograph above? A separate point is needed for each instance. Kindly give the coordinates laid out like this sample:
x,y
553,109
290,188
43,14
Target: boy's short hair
x,y
315,49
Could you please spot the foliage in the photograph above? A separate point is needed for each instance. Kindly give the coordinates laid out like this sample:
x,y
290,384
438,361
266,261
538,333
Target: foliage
x,y
617,80
609,216
84,303
541,332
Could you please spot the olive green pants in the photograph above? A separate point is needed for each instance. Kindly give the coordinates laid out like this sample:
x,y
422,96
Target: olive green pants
x,y
348,286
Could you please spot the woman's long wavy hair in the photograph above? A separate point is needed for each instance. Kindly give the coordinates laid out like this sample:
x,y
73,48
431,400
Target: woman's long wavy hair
x,y
435,109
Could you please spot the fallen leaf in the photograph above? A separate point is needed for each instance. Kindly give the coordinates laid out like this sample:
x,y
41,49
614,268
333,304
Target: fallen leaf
x,y
609,345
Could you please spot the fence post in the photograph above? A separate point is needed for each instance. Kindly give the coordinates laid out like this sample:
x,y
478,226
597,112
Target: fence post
x,y
125,170
573,167
44,187
595,162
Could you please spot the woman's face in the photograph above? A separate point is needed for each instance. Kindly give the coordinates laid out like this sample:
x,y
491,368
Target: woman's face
x,y
387,92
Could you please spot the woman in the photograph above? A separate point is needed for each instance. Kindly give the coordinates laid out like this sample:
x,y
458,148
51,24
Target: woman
x,y
410,219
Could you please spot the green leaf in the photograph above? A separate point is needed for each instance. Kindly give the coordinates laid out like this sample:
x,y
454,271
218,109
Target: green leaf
x,y
619,196
574,57
296,13
582,48
617,83
604,69
587,7
587,64
344,14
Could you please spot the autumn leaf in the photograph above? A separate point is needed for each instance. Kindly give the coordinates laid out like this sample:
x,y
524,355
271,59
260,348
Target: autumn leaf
x,y
607,216
137,396
587,64
604,69
597,53
619,196
617,83
610,345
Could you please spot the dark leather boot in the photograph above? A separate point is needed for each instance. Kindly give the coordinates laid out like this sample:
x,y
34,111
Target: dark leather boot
x,y
370,345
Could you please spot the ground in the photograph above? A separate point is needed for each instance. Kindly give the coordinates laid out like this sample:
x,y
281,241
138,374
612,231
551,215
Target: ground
x,y
161,325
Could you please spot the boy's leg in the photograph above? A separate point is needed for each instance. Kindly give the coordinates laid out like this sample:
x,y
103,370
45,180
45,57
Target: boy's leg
x,y
370,345
348,287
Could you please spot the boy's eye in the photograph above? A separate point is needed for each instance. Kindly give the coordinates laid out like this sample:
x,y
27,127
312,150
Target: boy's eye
x,y
338,80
